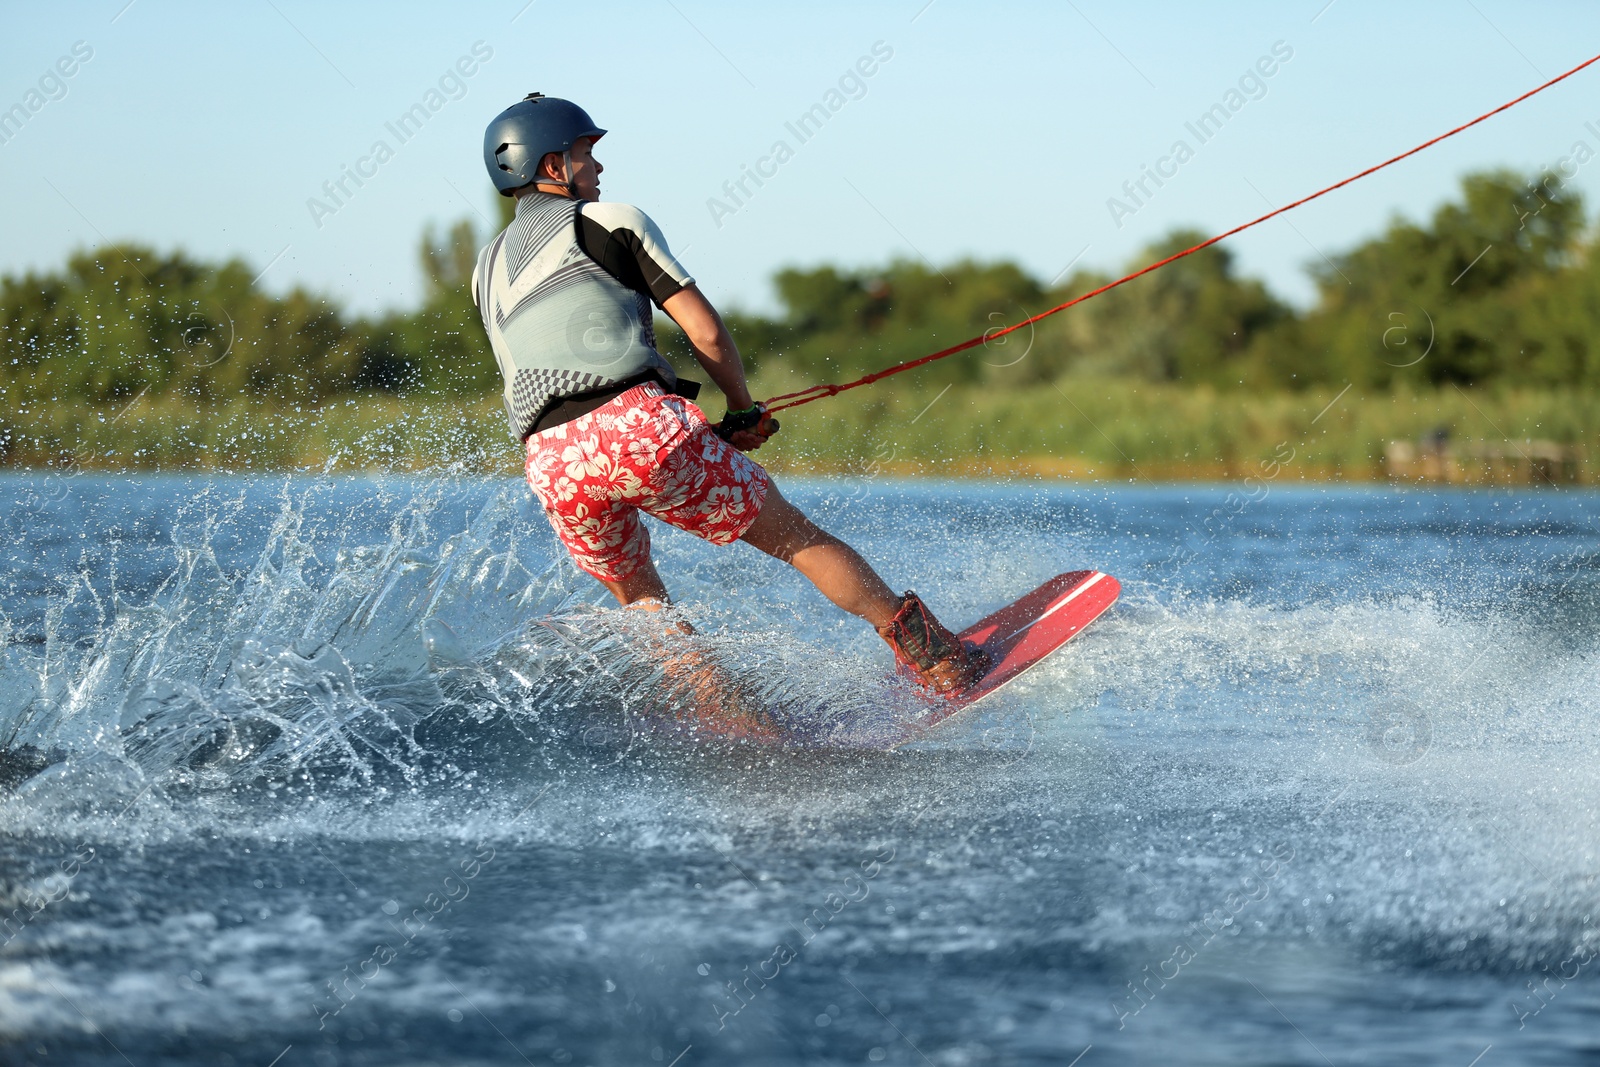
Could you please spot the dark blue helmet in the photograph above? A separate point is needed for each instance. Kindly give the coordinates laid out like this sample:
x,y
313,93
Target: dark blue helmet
x,y
527,131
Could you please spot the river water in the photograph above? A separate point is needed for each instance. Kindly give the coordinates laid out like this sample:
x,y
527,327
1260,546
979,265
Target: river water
x,y
329,771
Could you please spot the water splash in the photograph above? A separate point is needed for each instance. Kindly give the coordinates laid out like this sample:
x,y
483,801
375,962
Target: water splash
x,y
331,657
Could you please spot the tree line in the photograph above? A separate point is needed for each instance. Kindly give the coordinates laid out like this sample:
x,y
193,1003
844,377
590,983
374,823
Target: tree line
x,y
1499,285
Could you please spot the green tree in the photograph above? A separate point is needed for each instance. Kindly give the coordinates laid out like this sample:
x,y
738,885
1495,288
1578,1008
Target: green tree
x,y
1498,285
123,320
441,346
1194,320
839,324
1467,281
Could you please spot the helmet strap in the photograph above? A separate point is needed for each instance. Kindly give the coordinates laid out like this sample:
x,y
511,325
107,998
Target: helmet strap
x,y
565,181
566,173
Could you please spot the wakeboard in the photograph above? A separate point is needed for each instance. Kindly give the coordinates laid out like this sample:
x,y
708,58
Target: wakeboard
x,y
1020,635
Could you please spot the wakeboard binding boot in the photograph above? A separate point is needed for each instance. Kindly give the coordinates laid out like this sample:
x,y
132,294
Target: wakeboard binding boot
x,y
929,652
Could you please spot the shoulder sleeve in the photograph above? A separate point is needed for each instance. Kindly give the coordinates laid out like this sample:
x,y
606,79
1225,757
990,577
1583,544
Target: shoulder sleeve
x,y
625,241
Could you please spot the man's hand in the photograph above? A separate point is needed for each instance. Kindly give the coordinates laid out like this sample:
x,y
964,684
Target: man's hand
x,y
747,430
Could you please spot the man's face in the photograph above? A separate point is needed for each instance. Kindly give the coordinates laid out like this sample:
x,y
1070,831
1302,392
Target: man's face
x,y
586,170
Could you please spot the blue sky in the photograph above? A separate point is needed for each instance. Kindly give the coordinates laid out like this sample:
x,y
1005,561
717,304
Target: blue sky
x,y
996,131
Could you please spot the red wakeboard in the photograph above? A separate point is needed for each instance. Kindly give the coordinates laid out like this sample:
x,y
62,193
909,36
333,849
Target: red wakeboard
x,y
1023,633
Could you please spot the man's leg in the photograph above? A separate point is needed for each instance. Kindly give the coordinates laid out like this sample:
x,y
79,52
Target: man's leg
x,y
645,591
935,655
837,570
720,707
641,587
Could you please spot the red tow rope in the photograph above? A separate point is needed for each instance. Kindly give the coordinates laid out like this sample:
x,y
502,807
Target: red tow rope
x,y
817,392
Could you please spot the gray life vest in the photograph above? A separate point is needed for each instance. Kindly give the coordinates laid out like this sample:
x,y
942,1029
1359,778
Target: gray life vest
x,y
561,323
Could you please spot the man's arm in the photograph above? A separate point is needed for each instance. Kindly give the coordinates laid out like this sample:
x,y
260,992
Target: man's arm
x,y
714,349
624,241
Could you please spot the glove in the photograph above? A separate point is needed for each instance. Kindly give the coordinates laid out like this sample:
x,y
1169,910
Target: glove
x,y
748,429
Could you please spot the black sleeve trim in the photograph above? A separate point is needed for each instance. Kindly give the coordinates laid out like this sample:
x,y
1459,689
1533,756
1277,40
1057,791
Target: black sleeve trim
x,y
623,256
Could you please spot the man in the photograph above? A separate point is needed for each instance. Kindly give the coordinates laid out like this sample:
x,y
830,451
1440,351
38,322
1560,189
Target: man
x,y
565,293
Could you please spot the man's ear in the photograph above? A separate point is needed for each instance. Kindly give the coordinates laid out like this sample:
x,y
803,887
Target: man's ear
x,y
550,167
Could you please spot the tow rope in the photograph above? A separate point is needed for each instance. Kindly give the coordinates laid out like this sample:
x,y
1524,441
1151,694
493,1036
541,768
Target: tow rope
x,y
817,392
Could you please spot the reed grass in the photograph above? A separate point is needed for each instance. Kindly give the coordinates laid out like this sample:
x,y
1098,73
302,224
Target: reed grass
x,y
1072,428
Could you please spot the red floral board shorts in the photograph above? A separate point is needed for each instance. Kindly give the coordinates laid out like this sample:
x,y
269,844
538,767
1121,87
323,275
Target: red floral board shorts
x,y
649,451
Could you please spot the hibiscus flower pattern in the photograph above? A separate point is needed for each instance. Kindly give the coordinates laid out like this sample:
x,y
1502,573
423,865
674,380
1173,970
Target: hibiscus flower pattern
x,y
723,504
644,451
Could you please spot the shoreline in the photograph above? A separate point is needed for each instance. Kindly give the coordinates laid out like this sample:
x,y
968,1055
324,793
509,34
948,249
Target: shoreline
x,y
1039,468
1111,430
